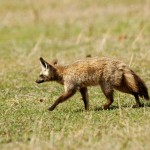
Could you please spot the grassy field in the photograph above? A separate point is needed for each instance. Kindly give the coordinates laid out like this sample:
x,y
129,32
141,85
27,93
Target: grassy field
x,y
69,30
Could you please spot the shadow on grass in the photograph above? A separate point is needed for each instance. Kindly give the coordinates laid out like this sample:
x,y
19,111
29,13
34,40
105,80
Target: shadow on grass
x,y
112,108
147,105
101,108
95,109
124,106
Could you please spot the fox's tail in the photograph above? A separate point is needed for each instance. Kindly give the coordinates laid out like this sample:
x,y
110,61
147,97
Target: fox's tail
x,y
135,84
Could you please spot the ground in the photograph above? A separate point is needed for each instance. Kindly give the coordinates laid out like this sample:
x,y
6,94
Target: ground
x,y
69,30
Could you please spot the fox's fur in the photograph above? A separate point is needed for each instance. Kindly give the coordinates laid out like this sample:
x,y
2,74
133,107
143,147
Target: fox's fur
x,y
110,74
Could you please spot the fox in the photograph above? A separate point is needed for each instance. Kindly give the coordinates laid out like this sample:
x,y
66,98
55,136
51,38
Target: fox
x,y
108,73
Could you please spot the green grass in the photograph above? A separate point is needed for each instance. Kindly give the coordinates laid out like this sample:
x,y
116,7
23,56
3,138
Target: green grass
x,y
68,31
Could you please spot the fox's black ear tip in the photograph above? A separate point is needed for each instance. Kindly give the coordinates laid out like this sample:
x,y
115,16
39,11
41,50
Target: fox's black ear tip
x,y
41,58
88,55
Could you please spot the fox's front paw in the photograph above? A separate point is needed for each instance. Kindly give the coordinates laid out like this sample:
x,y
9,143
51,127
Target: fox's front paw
x,y
105,107
51,108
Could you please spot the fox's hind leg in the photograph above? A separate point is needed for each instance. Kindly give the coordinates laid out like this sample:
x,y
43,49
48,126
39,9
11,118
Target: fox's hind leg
x,y
108,92
138,103
109,100
85,97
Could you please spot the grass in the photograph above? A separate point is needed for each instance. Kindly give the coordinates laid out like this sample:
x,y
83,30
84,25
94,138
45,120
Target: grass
x,y
68,31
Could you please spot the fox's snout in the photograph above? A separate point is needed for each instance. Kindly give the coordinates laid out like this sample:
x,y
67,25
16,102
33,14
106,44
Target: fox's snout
x,y
42,78
39,81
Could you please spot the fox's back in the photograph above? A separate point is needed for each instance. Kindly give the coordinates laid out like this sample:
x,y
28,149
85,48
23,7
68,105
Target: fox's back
x,y
90,71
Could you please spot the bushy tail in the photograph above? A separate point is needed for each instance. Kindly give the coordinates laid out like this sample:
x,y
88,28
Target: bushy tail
x,y
142,89
136,84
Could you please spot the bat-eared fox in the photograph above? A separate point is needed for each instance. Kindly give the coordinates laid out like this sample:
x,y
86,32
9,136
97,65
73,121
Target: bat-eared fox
x,y
110,74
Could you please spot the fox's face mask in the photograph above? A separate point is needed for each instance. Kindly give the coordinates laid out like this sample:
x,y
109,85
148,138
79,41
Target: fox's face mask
x,y
48,71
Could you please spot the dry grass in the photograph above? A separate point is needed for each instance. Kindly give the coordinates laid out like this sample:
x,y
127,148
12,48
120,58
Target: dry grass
x,y
69,30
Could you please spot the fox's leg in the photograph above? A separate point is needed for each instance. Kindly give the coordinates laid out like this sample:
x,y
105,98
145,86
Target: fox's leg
x,y
108,92
138,103
110,100
62,98
85,97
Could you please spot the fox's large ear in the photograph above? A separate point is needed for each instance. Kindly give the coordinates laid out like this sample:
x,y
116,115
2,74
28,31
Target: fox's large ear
x,y
44,64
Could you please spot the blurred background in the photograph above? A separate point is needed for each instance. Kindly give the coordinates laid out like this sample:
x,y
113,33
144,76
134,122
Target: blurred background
x,y
69,30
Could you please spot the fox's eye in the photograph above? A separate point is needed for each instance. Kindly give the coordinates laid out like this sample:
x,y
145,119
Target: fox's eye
x,y
41,76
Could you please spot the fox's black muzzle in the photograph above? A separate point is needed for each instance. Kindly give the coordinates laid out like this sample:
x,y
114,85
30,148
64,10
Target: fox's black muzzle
x,y
39,81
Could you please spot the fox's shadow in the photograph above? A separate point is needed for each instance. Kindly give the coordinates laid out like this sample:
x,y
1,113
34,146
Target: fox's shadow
x,y
123,106
101,108
95,109
111,108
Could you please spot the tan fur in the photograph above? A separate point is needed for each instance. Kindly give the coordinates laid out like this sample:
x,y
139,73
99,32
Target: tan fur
x,y
109,73
130,80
